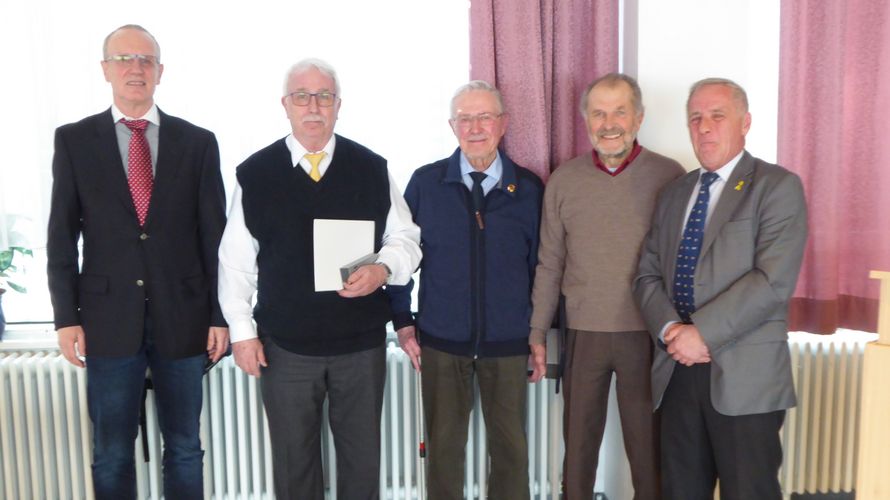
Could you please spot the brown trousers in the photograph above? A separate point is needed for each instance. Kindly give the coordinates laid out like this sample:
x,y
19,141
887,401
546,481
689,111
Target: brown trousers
x,y
591,359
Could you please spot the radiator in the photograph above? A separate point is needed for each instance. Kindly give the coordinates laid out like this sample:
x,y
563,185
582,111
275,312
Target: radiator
x,y
45,435
820,435
45,443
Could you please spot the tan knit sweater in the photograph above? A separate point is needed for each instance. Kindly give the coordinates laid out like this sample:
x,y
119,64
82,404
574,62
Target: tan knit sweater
x,y
592,228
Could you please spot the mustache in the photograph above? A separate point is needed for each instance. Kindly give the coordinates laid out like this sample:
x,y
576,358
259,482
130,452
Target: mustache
x,y
314,117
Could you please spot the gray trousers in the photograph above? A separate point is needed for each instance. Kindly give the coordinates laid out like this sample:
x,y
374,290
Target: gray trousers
x,y
447,401
294,388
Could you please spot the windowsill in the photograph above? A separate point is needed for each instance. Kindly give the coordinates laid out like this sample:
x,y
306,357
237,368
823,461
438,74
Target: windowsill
x,y
29,336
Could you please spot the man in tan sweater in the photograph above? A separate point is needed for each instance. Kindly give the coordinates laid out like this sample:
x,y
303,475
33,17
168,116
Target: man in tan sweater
x,y
597,210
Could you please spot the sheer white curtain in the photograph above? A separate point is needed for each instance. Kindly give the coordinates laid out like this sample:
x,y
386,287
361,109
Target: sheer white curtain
x,y
399,62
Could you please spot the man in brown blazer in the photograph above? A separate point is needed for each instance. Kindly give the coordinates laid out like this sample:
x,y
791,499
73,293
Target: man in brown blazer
x,y
597,209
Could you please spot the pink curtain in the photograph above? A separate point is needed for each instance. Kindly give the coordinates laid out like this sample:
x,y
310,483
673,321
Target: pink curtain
x,y
834,120
541,54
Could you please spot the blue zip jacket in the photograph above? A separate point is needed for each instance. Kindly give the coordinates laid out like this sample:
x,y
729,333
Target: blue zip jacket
x,y
475,282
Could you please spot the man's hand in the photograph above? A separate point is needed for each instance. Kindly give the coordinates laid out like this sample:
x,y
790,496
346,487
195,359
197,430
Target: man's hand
x,y
686,345
217,342
249,356
72,342
538,360
408,342
363,281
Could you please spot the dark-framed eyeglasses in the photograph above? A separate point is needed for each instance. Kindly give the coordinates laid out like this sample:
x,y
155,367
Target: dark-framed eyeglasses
x,y
323,99
129,59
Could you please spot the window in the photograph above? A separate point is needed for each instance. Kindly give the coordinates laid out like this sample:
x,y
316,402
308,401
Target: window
x,y
399,61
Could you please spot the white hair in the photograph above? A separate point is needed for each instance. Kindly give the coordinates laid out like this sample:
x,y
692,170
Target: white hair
x,y
477,85
310,63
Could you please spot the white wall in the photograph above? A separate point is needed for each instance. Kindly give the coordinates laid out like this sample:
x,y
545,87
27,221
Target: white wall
x,y
682,41
668,46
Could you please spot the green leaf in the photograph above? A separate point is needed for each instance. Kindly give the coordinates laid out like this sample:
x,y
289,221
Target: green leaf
x,y
17,288
22,250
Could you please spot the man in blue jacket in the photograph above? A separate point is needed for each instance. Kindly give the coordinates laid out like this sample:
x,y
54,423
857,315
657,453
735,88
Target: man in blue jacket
x,y
479,214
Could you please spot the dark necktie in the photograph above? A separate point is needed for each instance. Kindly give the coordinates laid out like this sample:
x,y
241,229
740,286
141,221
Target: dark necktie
x,y
690,247
139,175
478,196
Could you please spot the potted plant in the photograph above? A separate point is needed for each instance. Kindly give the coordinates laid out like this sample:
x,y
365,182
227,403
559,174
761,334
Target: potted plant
x,y
13,247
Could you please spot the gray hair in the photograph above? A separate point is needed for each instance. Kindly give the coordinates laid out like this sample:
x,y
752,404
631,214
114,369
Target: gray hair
x,y
477,85
738,93
130,27
612,79
313,63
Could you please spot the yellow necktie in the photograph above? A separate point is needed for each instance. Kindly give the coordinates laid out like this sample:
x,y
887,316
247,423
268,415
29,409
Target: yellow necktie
x,y
314,160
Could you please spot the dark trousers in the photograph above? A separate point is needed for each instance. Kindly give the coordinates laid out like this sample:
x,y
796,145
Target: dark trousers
x,y
294,388
591,359
700,445
447,402
114,398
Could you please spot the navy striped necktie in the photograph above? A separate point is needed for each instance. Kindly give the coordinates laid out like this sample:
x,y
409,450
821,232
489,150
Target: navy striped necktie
x,y
690,247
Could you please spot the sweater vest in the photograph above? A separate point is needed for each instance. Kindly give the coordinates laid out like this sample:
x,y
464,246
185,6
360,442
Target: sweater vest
x,y
280,203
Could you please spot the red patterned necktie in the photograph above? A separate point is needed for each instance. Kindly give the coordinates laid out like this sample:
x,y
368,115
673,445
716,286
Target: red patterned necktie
x,y
139,175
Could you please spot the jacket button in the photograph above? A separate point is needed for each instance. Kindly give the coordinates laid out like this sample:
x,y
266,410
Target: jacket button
x,y
140,283
143,236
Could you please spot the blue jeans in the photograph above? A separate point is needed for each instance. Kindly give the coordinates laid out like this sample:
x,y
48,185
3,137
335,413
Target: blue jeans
x,y
114,398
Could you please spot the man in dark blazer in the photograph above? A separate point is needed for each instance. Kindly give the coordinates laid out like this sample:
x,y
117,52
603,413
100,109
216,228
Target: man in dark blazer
x,y
143,190
716,273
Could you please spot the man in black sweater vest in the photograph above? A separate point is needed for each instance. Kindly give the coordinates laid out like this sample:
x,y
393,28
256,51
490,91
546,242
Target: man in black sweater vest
x,y
308,344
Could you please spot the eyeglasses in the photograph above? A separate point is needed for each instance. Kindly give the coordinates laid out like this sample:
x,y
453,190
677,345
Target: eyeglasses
x,y
323,99
127,60
484,119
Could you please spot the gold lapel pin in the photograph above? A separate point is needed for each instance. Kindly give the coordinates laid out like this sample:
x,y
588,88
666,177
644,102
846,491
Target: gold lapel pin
x,y
738,187
511,187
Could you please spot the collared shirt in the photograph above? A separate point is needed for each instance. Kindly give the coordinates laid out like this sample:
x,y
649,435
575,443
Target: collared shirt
x,y
238,250
715,190
494,172
298,154
634,152
151,134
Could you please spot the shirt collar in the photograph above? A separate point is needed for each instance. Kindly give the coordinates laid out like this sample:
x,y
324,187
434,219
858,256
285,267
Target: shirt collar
x,y
495,170
297,151
152,115
634,152
725,171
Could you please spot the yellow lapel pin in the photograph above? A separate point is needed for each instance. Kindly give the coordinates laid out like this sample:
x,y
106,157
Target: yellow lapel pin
x,y
511,187
738,187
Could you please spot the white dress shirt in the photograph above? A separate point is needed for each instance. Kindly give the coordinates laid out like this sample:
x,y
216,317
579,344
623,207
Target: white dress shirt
x,y
714,191
238,249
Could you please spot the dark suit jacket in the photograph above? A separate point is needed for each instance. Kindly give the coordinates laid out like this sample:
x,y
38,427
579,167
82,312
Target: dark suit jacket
x,y
748,266
172,261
